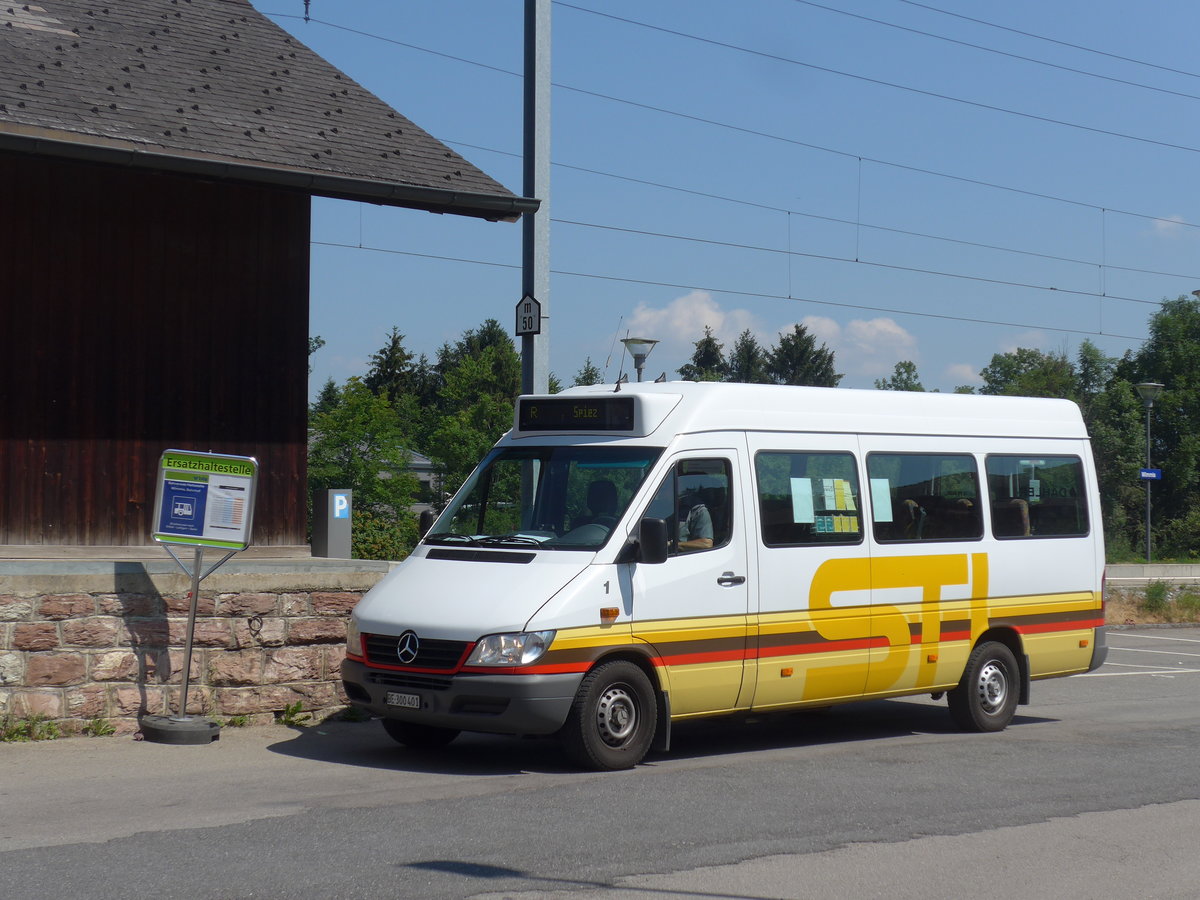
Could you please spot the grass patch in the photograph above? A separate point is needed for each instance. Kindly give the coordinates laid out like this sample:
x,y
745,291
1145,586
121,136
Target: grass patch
x,y
99,727
1155,604
293,716
31,728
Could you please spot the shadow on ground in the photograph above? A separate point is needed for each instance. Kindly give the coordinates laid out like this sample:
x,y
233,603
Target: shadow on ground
x,y
366,744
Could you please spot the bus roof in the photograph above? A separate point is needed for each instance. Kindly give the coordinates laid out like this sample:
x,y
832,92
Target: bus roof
x,y
681,407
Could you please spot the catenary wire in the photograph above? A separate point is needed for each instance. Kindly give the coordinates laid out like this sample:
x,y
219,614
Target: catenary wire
x,y
839,221
846,154
861,262
998,52
733,292
1042,37
879,82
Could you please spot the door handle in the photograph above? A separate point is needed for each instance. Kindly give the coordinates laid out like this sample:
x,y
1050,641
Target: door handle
x,y
728,579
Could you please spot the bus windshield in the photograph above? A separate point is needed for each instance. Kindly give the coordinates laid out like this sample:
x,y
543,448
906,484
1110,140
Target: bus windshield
x,y
554,498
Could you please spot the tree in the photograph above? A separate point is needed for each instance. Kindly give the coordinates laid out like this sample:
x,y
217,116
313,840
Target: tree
x,y
481,376
903,378
1030,373
358,444
588,374
391,367
797,359
708,360
747,363
329,397
1171,356
315,343
474,342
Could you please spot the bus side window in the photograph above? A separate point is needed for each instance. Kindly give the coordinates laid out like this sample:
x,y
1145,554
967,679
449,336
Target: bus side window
x,y
1037,496
924,497
808,498
694,500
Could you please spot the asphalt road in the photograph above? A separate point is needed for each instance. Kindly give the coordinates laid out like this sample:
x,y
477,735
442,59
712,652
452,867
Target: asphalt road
x,y
1092,792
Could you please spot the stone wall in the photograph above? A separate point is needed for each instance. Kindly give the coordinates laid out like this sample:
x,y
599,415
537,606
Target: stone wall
x,y
83,643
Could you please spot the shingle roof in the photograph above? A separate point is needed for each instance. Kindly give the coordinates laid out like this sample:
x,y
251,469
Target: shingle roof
x,y
213,87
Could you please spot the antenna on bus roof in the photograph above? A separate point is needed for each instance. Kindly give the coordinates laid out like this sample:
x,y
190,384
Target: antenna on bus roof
x,y
621,373
608,362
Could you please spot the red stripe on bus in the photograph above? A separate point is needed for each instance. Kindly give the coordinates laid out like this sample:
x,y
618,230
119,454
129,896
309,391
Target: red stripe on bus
x,y
1046,627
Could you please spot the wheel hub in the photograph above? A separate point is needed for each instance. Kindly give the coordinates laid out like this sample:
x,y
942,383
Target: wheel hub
x,y
993,688
616,715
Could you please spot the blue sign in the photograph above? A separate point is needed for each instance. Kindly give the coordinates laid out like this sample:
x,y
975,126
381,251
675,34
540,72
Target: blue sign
x,y
341,506
182,510
1150,474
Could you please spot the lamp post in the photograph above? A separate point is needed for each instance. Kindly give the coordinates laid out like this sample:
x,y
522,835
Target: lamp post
x,y
1149,391
639,349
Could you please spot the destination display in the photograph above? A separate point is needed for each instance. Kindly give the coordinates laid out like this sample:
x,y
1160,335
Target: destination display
x,y
576,414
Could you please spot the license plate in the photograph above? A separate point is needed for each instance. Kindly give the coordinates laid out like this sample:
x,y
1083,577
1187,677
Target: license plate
x,y
404,701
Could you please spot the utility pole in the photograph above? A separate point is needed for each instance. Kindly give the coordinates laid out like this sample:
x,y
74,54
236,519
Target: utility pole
x,y
535,246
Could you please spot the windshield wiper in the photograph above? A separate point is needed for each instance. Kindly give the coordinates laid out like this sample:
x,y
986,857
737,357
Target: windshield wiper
x,y
450,537
509,539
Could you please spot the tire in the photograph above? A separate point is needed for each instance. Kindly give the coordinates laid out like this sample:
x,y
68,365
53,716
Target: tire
x,y
986,698
612,721
418,736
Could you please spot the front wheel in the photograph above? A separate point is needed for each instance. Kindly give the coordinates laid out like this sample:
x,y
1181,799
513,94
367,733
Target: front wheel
x,y
612,720
986,698
418,736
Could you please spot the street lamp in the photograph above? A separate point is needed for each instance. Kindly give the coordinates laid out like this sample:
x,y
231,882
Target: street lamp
x,y
1149,391
639,349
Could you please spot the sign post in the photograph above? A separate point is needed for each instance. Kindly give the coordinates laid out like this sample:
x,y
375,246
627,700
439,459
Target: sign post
x,y
203,501
333,523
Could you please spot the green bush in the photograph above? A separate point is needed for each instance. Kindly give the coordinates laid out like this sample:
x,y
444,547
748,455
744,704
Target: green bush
x,y
377,536
1179,538
1156,602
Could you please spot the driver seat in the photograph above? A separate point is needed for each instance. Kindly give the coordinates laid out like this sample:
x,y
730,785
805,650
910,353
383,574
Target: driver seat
x,y
601,503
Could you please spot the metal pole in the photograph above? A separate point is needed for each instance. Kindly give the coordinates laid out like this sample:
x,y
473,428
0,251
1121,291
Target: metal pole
x,y
197,564
1148,407
535,256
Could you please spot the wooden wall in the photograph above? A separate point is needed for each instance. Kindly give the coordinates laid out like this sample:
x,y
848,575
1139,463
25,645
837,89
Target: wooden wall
x,y
141,312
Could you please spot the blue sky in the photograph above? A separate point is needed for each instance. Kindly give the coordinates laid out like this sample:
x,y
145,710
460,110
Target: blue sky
x,y
936,182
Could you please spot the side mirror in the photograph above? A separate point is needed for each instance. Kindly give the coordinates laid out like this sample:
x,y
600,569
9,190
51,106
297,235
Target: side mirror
x,y
653,541
425,521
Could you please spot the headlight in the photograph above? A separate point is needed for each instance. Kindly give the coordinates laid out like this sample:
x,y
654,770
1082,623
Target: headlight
x,y
354,645
516,649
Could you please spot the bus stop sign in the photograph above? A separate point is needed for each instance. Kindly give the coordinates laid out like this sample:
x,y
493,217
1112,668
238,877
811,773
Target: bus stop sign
x,y
205,499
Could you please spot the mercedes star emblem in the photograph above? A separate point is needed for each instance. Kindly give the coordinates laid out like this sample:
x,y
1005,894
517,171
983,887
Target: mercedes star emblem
x,y
407,647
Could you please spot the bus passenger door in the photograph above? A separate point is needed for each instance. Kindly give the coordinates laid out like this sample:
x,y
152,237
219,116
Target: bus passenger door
x,y
692,609
814,615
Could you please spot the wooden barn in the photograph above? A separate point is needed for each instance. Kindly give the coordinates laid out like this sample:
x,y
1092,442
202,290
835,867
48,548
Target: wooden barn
x,y
157,159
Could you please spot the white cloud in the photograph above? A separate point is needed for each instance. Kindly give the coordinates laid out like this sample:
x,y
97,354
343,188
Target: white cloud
x,y
867,347
862,347
962,373
1170,227
1034,339
678,325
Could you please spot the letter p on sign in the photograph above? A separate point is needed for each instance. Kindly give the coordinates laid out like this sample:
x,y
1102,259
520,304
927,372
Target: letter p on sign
x,y
341,506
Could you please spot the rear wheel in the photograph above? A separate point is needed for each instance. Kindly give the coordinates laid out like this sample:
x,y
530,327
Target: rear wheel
x,y
418,736
612,720
986,698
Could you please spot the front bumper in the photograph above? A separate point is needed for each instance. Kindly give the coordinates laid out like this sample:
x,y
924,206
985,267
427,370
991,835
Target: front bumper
x,y
498,704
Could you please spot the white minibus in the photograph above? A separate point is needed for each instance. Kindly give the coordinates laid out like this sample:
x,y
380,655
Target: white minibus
x,y
632,555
